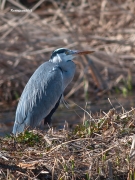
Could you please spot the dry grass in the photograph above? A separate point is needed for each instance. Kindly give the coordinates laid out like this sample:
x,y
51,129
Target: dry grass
x,y
27,39
97,149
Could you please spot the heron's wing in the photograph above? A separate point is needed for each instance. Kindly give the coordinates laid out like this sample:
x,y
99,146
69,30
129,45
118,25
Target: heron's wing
x,y
39,97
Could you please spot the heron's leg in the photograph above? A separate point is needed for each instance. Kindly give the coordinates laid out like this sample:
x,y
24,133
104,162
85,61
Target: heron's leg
x,y
48,118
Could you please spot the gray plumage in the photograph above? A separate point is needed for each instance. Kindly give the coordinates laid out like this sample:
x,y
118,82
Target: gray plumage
x,y
42,94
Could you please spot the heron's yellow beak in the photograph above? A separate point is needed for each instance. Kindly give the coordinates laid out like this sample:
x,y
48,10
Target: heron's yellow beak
x,y
81,52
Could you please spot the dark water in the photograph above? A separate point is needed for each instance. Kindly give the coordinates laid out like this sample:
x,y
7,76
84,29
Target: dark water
x,y
73,115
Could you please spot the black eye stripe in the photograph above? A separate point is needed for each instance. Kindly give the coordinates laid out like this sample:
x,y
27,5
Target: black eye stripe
x,y
58,51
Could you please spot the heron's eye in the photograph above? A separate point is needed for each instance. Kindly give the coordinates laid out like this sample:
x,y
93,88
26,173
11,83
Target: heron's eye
x,y
67,52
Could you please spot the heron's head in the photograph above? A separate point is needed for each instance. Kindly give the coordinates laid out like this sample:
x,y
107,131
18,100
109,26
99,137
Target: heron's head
x,y
64,55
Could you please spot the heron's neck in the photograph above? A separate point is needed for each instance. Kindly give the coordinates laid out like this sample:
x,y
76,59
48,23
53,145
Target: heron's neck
x,y
68,71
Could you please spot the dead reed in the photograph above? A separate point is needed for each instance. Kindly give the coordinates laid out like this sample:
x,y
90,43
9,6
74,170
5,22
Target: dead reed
x,y
97,149
27,40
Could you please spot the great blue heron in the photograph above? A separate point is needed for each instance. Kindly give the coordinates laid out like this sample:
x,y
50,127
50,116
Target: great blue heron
x,y
43,92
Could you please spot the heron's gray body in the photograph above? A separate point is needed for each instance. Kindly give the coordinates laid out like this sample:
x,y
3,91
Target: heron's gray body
x,y
41,93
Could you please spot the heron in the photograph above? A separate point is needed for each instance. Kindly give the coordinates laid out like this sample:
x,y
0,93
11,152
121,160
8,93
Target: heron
x,y
44,90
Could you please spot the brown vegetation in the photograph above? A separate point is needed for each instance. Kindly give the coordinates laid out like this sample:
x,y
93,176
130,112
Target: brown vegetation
x,y
97,149
27,40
